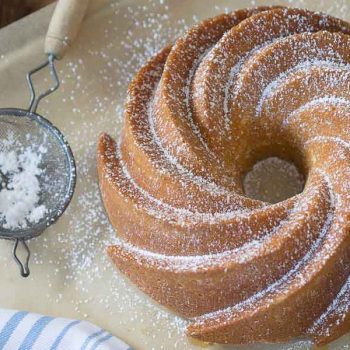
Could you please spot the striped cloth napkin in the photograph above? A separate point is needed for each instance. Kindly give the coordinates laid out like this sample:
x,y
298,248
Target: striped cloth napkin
x,y
20,330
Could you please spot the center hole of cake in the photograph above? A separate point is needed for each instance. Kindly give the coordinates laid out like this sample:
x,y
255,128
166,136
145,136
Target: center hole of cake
x,y
273,180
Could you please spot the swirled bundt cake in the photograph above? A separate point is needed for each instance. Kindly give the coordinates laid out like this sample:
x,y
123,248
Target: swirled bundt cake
x,y
236,89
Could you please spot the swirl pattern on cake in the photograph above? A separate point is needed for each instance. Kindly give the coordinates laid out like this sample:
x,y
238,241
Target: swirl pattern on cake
x,y
234,89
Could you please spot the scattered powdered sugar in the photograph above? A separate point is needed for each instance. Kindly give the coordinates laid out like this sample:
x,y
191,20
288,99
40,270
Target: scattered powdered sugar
x,y
19,184
74,253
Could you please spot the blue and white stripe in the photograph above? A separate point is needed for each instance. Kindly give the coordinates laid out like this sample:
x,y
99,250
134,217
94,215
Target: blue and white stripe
x,y
20,330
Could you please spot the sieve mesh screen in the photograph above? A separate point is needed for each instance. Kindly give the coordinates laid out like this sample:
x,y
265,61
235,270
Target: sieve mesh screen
x,y
20,130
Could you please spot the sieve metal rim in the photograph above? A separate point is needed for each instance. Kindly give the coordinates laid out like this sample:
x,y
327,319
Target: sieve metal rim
x,y
28,233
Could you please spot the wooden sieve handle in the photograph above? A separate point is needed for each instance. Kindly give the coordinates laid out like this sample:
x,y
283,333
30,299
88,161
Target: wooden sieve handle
x,y
64,26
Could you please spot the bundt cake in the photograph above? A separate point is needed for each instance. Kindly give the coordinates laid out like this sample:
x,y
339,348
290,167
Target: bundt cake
x,y
235,89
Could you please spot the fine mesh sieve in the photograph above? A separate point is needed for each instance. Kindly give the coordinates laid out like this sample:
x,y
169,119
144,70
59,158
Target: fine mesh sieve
x,y
21,130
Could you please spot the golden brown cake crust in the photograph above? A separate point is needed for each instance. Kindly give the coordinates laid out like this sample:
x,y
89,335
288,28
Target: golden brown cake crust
x,y
234,89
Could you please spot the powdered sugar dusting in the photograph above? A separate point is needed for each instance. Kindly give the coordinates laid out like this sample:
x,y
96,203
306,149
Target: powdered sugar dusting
x,y
232,94
74,251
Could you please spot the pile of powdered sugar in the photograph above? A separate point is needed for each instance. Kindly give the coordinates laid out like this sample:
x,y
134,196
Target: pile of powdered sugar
x,y
19,185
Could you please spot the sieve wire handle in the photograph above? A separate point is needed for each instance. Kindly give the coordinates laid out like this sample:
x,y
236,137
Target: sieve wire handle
x,y
63,29
24,267
64,26
34,99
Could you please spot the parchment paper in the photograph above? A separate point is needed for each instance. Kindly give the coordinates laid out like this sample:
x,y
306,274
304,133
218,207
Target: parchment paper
x,y
71,275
